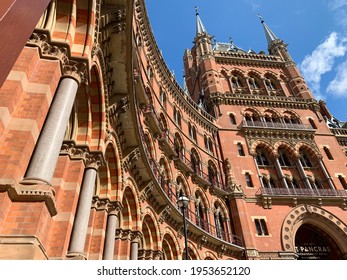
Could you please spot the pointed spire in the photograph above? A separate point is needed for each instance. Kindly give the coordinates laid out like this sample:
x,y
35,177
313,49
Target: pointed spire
x,y
270,36
200,28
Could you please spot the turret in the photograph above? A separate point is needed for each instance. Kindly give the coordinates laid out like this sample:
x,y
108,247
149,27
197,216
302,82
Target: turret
x,y
278,47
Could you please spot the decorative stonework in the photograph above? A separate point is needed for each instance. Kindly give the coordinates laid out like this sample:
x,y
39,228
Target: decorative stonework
x,y
92,159
73,67
104,204
130,159
302,212
31,191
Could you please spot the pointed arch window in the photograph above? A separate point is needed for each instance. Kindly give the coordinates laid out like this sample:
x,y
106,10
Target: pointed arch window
x,y
219,223
262,158
163,99
305,159
284,158
177,117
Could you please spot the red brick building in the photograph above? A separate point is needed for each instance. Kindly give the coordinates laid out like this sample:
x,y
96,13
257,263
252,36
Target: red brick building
x,y
98,141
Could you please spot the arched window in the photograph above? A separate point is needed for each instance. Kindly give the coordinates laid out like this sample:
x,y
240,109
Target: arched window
x,y
219,223
192,132
195,162
208,145
262,158
199,212
305,159
284,158
177,117
253,83
236,82
179,146
163,99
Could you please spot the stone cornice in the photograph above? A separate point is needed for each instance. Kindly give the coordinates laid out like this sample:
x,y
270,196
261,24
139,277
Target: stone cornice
x,y
30,192
75,67
263,101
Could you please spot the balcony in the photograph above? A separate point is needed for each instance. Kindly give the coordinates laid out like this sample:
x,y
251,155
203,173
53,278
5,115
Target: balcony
x,y
302,192
341,135
152,120
167,145
212,230
200,178
276,125
182,163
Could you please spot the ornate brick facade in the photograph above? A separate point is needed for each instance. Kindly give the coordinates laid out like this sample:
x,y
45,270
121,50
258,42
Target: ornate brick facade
x,y
97,142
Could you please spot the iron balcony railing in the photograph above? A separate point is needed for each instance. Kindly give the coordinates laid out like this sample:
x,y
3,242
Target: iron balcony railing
x,y
277,125
302,192
339,131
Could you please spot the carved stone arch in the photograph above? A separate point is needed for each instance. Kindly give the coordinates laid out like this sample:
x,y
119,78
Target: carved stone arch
x,y
163,161
317,216
203,196
262,144
254,111
239,72
193,251
110,174
150,143
208,255
131,205
163,121
291,113
97,110
187,190
286,145
271,75
154,227
272,111
224,208
255,73
311,150
171,238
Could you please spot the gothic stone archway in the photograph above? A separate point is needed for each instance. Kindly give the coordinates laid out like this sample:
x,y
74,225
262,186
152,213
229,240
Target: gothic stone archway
x,y
306,222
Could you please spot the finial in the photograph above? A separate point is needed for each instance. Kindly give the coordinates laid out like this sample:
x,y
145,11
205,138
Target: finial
x,y
231,40
261,18
196,10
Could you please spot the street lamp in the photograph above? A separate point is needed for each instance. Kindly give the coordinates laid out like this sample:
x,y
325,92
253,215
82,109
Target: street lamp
x,y
182,203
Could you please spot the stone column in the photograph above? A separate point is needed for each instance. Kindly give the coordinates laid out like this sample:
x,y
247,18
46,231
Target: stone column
x,y
112,225
80,227
45,156
280,173
134,245
258,172
326,174
303,174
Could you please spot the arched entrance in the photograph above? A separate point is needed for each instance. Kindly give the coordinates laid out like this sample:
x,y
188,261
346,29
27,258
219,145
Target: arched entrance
x,y
313,243
312,232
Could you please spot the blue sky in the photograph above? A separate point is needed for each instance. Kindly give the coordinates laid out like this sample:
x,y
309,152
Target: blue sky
x,y
315,31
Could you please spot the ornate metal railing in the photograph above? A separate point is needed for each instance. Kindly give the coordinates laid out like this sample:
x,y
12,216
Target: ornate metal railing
x,y
277,125
213,230
302,192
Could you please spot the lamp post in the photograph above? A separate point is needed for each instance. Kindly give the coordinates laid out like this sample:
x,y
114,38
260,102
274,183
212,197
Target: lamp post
x,y
182,203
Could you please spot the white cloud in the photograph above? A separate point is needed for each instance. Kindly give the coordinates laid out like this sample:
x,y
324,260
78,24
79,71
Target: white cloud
x,y
321,61
337,4
338,86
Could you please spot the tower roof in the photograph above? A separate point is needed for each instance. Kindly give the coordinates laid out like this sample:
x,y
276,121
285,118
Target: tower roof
x,y
270,36
200,28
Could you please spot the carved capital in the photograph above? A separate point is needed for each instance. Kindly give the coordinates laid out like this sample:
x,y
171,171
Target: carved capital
x,y
94,160
75,68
